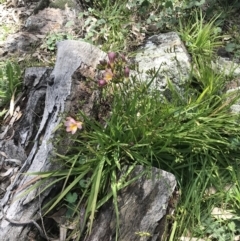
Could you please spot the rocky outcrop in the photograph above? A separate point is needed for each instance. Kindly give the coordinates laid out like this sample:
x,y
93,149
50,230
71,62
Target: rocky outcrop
x,y
50,93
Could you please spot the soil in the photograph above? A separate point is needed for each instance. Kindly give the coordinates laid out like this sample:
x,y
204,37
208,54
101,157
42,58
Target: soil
x,y
24,35
30,37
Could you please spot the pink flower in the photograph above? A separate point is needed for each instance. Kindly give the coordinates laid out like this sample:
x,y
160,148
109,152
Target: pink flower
x,y
72,125
108,75
102,82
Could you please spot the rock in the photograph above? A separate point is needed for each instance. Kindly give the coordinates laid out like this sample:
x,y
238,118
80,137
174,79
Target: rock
x,y
41,5
49,20
233,88
227,67
48,95
166,51
46,21
21,42
142,205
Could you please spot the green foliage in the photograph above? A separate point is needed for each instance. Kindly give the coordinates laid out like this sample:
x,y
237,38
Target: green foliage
x,y
62,4
118,24
233,46
195,136
201,38
219,229
164,15
108,26
71,197
5,30
205,189
208,82
190,136
10,81
52,39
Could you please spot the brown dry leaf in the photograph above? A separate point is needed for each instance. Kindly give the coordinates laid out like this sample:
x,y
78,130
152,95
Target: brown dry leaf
x,y
45,59
58,216
210,191
15,161
15,116
19,115
7,173
15,172
20,59
34,37
137,36
11,109
8,115
222,214
36,55
41,36
3,154
227,38
63,233
71,225
42,57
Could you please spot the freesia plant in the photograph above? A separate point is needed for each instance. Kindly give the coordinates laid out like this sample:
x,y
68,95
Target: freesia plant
x,y
182,136
115,70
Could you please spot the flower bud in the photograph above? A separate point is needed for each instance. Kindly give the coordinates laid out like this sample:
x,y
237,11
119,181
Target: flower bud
x,y
123,58
112,56
102,82
103,62
126,72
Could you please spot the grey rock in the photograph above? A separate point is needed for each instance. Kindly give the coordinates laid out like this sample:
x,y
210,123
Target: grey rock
x,y
45,106
227,67
167,52
142,205
233,88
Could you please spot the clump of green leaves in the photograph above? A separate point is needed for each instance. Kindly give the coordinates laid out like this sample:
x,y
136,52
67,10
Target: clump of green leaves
x,y
201,38
10,81
108,27
5,30
52,39
119,24
222,230
162,15
233,44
